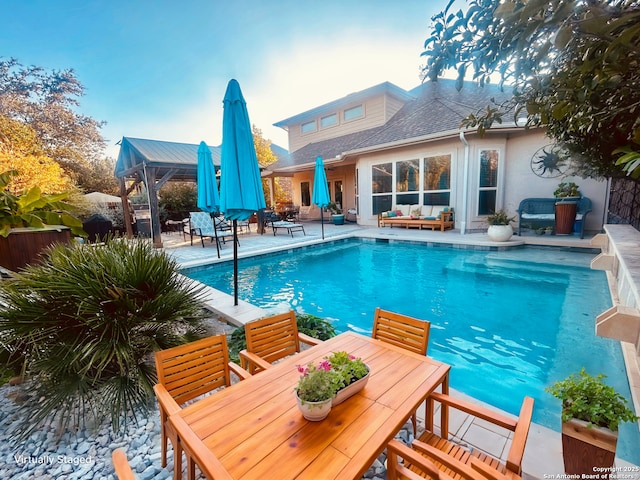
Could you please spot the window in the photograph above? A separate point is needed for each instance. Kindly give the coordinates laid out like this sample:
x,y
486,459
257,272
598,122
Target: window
x,y
329,120
337,193
488,182
351,113
408,180
381,187
308,127
437,180
305,195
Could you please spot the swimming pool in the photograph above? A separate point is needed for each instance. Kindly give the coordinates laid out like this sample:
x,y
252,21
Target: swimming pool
x,y
508,322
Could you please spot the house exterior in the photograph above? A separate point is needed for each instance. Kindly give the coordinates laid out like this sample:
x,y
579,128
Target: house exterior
x,y
385,146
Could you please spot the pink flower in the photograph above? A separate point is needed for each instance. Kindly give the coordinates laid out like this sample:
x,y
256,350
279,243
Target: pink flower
x,y
351,357
303,370
325,365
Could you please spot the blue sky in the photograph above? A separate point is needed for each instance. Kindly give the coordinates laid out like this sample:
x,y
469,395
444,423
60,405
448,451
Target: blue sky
x,y
159,69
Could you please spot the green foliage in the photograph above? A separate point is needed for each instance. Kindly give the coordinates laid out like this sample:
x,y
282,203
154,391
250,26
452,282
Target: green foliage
x,y
500,218
87,321
567,189
334,208
308,324
317,382
315,327
588,398
573,68
178,199
32,209
348,367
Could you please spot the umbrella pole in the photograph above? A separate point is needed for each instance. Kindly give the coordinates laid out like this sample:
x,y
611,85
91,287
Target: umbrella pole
x,y
215,232
235,262
322,221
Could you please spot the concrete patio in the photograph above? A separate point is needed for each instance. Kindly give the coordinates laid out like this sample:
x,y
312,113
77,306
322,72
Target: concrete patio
x,y
543,456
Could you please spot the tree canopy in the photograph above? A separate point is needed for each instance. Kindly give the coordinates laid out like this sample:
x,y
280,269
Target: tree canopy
x,y
38,111
573,67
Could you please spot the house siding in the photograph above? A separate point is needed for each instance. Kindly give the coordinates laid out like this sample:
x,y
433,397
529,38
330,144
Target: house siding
x,y
377,111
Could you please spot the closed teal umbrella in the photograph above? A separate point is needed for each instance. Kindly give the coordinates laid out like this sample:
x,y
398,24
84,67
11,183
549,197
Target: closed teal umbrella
x,y
240,183
320,196
208,198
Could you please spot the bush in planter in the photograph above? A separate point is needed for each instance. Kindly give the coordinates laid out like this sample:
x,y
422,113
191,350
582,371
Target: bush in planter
x,y
334,209
588,398
567,189
591,413
87,321
500,218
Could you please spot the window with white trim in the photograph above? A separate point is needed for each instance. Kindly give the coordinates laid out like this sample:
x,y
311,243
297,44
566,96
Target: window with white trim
x,y
329,120
353,113
308,127
488,181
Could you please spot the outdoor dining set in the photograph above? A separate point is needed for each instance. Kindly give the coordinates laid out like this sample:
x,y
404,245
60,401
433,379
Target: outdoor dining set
x,y
250,428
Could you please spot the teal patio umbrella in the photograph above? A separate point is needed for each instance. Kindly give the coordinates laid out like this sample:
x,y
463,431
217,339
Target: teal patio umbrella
x,y
240,183
320,196
208,198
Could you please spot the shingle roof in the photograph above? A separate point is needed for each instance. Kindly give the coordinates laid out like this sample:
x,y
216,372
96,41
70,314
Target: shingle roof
x,y
432,108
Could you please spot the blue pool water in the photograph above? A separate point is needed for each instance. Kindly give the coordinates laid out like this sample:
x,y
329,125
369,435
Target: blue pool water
x,y
509,322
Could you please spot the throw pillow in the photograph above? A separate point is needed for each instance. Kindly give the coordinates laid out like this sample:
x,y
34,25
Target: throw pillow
x,y
416,212
391,214
398,213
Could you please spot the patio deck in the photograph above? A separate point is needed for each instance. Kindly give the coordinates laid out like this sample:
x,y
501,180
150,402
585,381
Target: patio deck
x,y
543,455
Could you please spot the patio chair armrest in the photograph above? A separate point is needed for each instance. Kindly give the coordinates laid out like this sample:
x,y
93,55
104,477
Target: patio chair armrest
x,y
398,449
476,410
309,340
121,465
519,441
252,362
166,401
239,371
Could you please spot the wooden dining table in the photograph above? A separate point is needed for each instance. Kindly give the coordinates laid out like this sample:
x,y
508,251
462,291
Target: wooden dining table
x,y
254,430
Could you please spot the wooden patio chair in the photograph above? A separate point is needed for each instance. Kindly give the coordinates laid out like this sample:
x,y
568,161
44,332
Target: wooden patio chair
x,y
437,456
404,332
121,465
184,373
270,339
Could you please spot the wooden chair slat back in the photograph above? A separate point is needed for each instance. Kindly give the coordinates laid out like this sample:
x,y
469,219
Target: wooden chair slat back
x,y
273,338
190,370
401,330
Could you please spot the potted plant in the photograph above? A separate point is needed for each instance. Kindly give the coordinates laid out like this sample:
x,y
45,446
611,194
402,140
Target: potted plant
x,y
591,413
44,217
500,229
329,383
336,213
568,195
567,190
316,388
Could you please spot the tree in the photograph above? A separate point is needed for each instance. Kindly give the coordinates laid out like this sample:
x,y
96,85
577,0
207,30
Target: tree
x,y
46,102
573,66
20,150
265,158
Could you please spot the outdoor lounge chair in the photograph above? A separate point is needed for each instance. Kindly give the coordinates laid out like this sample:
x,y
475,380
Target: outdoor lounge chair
x,y
270,339
405,332
437,456
184,373
201,224
290,227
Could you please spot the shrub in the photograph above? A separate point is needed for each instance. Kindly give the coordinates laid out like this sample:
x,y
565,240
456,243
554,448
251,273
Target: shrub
x,y
178,199
86,322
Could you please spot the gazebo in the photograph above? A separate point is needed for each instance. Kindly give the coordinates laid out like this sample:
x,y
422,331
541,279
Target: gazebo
x,y
155,162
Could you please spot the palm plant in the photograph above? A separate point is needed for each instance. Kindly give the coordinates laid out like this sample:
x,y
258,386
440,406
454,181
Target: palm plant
x,y
86,322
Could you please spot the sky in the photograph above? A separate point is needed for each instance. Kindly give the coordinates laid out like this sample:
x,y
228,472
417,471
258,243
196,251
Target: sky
x,y
158,69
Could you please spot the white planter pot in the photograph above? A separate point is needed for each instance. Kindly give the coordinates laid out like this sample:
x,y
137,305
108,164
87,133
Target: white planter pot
x,y
314,411
500,233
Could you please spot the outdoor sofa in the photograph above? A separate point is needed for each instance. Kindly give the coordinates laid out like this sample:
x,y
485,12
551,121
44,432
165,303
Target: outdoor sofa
x,y
418,216
540,212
